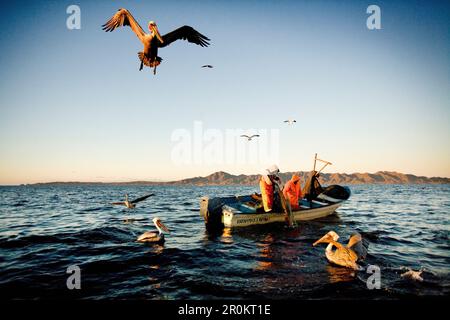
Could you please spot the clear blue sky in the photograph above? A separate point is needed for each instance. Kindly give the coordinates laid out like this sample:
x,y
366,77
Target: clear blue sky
x,y
73,105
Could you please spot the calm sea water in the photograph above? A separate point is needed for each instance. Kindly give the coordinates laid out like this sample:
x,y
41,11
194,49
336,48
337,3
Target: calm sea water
x,y
44,230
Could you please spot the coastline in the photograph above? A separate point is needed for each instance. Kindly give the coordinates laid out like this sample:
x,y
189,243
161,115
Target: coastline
x,y
226,179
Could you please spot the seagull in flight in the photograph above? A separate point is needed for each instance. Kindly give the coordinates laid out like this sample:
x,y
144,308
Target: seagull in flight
x,y
131,204
290,121
249,138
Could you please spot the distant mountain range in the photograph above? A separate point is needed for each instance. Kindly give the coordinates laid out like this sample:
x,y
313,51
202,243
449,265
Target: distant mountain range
x,y
223,178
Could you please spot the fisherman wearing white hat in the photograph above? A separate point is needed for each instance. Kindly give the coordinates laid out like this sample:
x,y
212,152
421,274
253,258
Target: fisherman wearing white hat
x,y
267,184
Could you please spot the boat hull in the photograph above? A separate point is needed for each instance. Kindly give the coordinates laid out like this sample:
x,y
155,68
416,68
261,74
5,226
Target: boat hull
x,y
233,218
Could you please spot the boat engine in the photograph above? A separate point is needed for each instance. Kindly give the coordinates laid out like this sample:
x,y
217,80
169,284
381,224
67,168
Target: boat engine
x,y
211,210
335,193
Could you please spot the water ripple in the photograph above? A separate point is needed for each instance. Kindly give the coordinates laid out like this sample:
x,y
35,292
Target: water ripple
x,y
45,229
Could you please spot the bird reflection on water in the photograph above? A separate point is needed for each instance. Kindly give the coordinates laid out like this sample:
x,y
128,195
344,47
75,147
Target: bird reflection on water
x,y
339,274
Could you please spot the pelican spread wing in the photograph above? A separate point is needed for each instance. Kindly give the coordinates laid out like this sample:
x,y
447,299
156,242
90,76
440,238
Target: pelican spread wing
x,y
118,203
184,33
123,17
358,246
354,239
142,198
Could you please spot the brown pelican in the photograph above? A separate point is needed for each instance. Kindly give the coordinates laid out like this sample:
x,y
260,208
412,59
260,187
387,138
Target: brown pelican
x,y
290,121
153,40
343,256
131,204
249,138
153,236
413,275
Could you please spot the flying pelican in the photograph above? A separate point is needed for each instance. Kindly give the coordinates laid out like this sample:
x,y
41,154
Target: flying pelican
x,y
207,66
413,275
153,40
290,121
131,204
342,256
249,138
153,236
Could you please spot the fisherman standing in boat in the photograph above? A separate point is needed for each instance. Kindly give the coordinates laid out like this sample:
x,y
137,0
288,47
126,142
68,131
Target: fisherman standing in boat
x,y
292,191
267,183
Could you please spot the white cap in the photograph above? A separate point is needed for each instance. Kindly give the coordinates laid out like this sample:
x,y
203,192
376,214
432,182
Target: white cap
x,y
273,169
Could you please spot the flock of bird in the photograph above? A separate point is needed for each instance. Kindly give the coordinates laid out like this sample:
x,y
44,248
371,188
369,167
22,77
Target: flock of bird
x,y
343,255
152,41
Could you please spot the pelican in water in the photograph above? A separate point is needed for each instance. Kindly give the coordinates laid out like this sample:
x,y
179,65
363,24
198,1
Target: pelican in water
x,y
413,275
131,204
343,256
153,236
249,138
153,40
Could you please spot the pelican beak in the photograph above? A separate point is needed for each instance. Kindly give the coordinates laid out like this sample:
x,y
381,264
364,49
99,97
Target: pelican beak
x,y
324,239
156,32
162,226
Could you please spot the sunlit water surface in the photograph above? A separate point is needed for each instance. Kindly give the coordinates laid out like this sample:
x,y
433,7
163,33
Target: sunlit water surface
x,y
45,229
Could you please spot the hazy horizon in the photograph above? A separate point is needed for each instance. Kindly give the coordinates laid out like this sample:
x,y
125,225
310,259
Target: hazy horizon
x,y
74,107
156,180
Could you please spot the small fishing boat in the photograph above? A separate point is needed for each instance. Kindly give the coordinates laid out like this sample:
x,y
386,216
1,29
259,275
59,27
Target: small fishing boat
x,y
244,211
